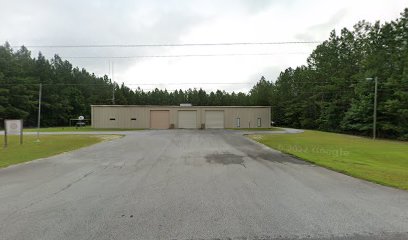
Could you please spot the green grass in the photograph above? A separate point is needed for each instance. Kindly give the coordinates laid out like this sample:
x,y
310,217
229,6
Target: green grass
x,y
81,129
257,129
380,161
49,145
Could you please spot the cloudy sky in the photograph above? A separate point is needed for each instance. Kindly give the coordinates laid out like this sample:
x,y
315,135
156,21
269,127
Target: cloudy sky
x,y
91,22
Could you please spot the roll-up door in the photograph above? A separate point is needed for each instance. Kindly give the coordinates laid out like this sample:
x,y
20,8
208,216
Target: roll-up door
x,y
214,119
159,119
187,119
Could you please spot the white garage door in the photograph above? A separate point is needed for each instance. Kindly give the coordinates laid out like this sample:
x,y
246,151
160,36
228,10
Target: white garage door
x,y
187,119
214,119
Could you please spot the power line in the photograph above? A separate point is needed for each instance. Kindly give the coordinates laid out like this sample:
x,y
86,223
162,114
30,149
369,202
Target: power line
x,y
32,84
170,44
131,84
152,84
108,85
170,83
206,83
183,55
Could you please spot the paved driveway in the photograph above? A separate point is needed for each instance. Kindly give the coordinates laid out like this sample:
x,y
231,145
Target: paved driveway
x,y
182,184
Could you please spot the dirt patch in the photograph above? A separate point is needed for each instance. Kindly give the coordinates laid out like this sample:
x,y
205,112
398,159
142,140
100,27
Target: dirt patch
x,y
225,158
109,137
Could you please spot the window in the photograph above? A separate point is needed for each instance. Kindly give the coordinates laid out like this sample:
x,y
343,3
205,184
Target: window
x,y
133,119
258,122
238,122
112,119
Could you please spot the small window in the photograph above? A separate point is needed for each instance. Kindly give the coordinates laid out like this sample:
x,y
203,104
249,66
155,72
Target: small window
x,y
238,122
133,119
258,122
112,119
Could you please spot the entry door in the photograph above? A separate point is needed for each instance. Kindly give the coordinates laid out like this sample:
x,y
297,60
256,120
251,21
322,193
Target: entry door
x,y
159,119
214,119
187,119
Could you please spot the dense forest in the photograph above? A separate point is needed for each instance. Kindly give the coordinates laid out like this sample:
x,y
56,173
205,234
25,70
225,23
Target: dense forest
x,y
68,92
331,92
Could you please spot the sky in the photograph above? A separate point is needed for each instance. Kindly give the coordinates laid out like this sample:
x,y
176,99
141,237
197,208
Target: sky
x,y
102,22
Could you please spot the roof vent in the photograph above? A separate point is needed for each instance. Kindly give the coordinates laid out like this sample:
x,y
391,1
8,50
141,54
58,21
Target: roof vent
x,y
186,105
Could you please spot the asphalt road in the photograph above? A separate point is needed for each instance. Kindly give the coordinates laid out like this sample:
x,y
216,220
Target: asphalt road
x,y
182,184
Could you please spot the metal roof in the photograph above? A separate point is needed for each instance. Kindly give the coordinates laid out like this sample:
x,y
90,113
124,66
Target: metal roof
x,y
176,106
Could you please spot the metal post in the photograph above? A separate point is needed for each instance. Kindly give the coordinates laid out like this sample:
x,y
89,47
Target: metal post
x,y
39,113
113,86
109,66
375,109
113,94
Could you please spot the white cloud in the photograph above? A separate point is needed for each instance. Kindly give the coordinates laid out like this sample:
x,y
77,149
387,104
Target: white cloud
x,y
123,22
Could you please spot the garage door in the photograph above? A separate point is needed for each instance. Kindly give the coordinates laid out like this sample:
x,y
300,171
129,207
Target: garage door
x,y
187,119
159,119
214,119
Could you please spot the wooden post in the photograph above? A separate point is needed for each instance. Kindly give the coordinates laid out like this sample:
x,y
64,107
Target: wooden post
x,y
21,132
5,134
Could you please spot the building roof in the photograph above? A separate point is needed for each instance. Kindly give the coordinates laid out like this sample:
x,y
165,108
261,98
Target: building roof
x,y
176,106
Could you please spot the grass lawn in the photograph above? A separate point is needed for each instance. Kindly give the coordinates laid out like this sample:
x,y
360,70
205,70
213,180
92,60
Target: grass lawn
x,y
257,129
381,161
81,129
48,146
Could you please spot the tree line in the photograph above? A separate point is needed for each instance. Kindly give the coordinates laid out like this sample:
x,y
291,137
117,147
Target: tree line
x,y
68,92
331,92
334,92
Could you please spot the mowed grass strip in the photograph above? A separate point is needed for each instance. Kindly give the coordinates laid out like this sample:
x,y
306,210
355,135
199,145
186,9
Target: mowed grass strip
x,y
381,161
49,145
80,129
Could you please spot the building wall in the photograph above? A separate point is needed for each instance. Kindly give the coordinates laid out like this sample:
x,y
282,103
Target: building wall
x,y
101,115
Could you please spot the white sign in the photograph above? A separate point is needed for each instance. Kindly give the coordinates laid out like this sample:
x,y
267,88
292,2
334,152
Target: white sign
x,y
13,127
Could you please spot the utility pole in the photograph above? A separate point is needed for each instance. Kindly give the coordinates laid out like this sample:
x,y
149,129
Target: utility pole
x,y
39,112
375,109
113,94
375,106
113,87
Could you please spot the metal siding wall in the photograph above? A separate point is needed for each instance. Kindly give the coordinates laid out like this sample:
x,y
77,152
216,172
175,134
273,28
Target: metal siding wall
x,y
248,117
123,114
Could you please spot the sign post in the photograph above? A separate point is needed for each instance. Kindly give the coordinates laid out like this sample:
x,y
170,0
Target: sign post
x,y
13,127
5,134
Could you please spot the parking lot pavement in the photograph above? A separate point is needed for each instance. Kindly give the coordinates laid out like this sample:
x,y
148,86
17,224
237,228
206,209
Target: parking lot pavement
x,y
192,184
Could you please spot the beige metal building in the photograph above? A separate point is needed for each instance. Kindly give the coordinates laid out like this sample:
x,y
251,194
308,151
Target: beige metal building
x,y
164,117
